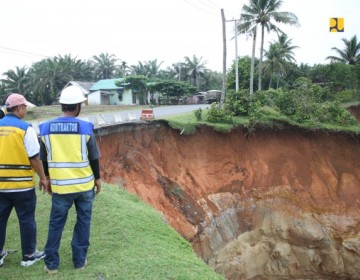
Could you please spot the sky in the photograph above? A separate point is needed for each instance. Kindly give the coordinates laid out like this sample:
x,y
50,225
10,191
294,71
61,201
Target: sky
x,y
166,30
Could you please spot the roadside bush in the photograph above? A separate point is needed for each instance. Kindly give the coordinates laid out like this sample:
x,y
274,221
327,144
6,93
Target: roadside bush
x,y
198,114
286,103
333,112
267,97
304,86
218,115
307,103
349,95
305,112
237,102
263,113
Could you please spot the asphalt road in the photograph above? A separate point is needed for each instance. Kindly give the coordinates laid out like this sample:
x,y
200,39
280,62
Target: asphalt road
x,y
134,115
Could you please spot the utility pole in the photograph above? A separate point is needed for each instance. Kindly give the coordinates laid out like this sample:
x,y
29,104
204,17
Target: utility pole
x,y
236,55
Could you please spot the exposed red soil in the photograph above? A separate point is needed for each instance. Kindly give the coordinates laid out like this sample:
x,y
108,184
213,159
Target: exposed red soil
x,y
215,187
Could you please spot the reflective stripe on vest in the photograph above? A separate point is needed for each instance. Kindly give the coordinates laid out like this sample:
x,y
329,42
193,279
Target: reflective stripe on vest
x,y
15,166
72,181
83,147
68,164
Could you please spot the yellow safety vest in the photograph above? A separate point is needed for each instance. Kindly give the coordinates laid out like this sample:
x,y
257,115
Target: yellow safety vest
x,y
66,147
16,171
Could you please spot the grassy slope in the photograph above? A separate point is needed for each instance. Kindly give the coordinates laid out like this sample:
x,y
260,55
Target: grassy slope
x,y
129,240
187,123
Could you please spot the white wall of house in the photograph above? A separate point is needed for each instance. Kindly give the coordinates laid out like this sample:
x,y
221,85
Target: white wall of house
x,y
94,98
126,98
114,99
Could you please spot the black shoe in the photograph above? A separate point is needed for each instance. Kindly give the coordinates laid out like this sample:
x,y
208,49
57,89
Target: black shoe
x,y
3,256
30,260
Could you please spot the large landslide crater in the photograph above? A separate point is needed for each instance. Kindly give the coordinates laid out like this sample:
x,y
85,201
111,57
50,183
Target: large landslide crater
x,y
273,204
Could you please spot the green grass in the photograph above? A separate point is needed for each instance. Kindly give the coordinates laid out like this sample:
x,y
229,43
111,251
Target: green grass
x,y
187,122
129,240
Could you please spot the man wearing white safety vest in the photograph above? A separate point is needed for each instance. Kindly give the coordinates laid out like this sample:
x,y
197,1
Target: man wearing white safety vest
x,y
71,160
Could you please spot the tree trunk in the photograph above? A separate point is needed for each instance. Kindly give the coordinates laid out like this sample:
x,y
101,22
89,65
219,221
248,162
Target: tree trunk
x,y
270,81
252,63
261,55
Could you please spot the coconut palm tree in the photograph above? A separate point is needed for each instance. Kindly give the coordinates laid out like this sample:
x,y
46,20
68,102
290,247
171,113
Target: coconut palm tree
x,y
263,13
73,68
274,65
17,81
104,65
123,70
287,48
177,69
148,69
153,67
350,54
249,27
48,76
196,67
279,55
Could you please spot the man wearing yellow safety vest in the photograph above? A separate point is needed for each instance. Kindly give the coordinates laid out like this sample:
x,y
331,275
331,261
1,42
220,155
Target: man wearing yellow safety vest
x,y
71,160
19,157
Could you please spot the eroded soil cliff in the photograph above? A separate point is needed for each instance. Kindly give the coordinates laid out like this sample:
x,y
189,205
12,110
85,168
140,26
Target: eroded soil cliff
x,y
274,204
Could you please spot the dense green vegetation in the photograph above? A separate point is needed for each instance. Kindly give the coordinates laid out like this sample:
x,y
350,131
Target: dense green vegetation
x,y
129,240
306,105
41,82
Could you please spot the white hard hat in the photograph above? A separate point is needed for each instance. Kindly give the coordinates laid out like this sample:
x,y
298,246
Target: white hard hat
x,y
72,95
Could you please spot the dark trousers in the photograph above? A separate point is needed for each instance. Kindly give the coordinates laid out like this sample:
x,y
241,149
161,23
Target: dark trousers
x,y
24,203
61,203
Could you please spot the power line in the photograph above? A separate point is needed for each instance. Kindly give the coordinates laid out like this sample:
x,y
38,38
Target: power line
x,y
20,52
214,4
201,9
209,6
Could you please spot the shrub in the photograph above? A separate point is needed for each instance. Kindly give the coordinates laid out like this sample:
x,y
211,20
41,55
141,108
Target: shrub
x,y
267,97
237,102
286,103
218,115
263,114
348,95
333,112
198,114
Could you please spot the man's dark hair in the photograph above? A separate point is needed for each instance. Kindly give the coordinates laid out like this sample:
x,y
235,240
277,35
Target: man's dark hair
x,y
69,107
11,109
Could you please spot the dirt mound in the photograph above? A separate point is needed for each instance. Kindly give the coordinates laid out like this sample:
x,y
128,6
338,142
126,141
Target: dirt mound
x,y
270,204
